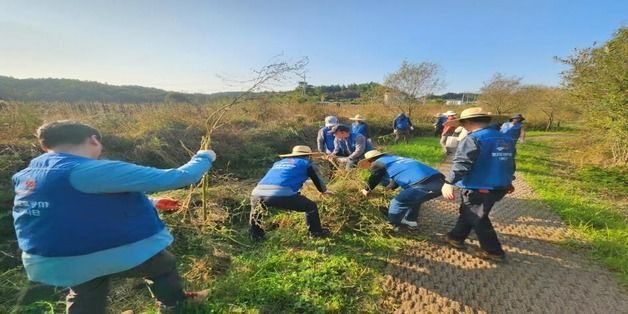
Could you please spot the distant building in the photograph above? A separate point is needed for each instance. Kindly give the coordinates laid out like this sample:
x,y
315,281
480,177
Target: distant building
x,y
453,102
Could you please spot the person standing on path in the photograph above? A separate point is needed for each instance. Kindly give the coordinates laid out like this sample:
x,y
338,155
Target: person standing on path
x,y
281,187
325,139
483,168
349,148
360,127
515,128
402,127
420,183
81,221
448,130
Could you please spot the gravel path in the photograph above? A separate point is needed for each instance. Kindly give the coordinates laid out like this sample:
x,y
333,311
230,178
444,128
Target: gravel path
x,y
540,275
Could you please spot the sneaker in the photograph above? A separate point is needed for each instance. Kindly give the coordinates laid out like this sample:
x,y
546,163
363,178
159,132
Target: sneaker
x,y
411,224
324,233
453,242
497,258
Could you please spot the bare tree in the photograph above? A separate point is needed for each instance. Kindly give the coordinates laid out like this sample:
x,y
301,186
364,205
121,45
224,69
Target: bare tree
x,y
414,81
499,94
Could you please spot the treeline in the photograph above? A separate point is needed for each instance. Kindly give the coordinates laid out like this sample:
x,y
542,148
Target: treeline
x,y
68,90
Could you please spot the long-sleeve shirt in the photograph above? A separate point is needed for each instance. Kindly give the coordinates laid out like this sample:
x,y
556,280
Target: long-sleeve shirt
x,y
448,130
321,141
465,157
378,174
275,190
106,176
342,147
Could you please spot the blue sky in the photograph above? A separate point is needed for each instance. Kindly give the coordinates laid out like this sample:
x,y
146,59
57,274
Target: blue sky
x,y
185,45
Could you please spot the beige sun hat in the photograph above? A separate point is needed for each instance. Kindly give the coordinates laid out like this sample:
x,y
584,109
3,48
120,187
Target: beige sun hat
x,y
358,118
476,112
449,113
366,162
300,150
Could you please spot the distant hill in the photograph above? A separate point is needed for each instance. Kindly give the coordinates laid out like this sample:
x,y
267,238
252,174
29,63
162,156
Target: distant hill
x,y
67,90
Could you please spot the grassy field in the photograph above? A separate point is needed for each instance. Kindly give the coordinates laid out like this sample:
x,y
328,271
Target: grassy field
x,y
593,201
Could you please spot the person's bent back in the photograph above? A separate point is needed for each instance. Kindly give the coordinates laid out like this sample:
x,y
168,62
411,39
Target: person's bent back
x,y
79,220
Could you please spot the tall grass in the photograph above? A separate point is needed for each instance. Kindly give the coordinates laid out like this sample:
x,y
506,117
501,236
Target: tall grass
x,y
591,200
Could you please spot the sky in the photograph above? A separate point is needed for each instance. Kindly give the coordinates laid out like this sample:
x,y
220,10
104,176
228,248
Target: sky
x,y
192,46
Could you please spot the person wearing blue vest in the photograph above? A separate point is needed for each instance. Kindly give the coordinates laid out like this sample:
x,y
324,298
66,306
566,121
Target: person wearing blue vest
x,y
349,148
514,128
325,139
402,127
360,127
281,187
483,169
439,124
420,183
81,221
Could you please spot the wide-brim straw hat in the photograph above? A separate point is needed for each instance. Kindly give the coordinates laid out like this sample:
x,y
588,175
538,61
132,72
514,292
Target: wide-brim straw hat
x,y
476,112
366,162
517,116
300,150
449,113
357,118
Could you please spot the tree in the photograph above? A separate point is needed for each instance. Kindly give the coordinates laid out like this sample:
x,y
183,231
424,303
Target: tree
x,y
415,81
499,95
544,103
597,82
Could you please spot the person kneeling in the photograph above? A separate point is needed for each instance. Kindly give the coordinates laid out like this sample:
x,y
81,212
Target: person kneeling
x,y
420,183
280,188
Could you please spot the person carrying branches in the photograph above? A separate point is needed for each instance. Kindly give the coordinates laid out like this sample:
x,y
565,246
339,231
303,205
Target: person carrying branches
x,y
402,127
81,221
420,183
281,187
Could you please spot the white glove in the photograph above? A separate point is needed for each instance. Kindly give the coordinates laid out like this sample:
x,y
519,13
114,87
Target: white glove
x,y
412,128
395,131
209,153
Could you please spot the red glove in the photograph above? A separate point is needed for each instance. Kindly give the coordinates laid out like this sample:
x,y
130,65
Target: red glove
x,y
511,189
167,205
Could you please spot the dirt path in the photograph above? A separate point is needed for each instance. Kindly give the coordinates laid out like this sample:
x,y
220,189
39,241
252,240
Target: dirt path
x,y
540,276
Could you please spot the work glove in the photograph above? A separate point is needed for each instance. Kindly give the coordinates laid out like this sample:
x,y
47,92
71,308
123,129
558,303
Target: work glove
x,y
448,191
412,128
209,153
395,131
365,192
166,205
328,192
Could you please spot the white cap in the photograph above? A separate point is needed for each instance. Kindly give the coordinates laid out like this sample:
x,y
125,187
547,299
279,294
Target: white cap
x,y
331,121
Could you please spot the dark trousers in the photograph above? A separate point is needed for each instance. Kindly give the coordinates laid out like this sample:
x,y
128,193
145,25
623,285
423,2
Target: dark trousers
x,y
91,297
407,203
296,202
474,210
402,133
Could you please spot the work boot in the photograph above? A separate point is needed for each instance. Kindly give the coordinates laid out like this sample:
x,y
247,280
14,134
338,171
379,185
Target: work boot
x,y
497,258
453,242
410,224
323,233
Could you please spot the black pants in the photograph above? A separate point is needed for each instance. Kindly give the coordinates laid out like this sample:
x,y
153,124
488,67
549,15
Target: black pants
x,y
296,202
474,210
91,297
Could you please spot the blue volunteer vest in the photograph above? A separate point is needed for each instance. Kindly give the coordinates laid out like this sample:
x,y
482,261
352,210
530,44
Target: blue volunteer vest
x,y
329,138
359,128
495,164
351,142
513,130
406,171
287,172
402,123
54,219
